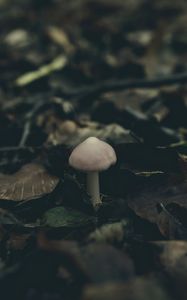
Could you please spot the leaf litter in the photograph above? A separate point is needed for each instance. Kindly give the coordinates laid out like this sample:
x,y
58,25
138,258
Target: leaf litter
x,y
116,71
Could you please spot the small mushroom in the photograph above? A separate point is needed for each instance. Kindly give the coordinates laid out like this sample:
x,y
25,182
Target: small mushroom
x,y
93,156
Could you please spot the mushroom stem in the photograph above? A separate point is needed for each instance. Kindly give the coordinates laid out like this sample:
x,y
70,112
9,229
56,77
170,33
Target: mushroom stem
x,y
93,187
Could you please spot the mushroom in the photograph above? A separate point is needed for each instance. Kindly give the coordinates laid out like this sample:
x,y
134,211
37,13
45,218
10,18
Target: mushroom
x,y
93,156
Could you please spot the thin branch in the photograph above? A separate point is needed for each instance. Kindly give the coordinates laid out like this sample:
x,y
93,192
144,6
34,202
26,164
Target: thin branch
x,y
28,124
117,85
17,148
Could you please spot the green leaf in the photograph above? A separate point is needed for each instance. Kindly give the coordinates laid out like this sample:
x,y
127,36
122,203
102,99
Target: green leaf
x,y
63,217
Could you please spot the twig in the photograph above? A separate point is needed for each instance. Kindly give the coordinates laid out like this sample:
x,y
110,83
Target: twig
x,y
117,85
16,148
27,127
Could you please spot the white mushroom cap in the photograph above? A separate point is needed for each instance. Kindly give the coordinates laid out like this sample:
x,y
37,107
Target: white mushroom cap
x,y
92,155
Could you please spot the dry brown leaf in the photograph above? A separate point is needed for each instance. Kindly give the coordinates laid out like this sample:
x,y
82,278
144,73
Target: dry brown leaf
x,y
30,182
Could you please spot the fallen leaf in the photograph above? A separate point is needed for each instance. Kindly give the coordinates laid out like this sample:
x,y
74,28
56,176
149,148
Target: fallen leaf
x,y
30,182
162,200
63,217
171,221
169,253
172,257
17,241
70,134
160,189
104,263
7,218
96,263
138,289
109,233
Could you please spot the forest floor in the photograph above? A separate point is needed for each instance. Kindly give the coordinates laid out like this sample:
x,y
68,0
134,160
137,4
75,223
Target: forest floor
x,y
115,70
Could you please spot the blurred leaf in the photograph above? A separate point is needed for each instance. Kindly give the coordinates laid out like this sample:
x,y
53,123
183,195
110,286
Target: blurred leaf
x,y
63,217
137,289
172,257
7,218
110,233
104,263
